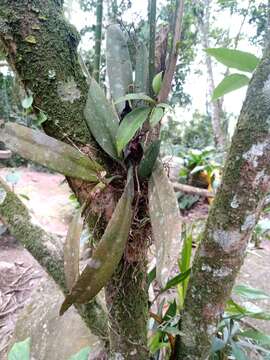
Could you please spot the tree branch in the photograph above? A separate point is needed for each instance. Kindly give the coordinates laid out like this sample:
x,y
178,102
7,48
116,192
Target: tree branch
x,y
169,73
47,250
192,190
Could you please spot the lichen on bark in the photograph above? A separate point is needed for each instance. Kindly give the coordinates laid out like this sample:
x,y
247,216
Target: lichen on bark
x,y
231,220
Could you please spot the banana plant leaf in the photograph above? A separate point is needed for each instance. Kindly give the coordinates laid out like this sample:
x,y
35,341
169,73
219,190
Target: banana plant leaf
x,y
101,119
72,250
119,66
56,155
166,222
108,253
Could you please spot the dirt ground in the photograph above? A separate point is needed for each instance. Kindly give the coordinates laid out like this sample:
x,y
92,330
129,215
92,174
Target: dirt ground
x,y
47,197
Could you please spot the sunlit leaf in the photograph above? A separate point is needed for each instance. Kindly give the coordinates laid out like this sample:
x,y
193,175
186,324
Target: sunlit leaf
x,y
185,260
101,119
176,280
156,115
83,354
72,250
230,83
151,277
131,123
101,266
250,293
165,220
157,83
56,155
241,60
20,350
118,63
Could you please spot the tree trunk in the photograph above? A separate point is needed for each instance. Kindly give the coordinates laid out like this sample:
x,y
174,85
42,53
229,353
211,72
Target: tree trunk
x,y
216,106
232,218
42,49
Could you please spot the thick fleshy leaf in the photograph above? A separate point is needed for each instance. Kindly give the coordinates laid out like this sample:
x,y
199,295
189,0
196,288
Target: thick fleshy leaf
x,y
101,119
165,220
101,266
250,292
157,83
72,250
156,115
141,69
56,155
20,351
241,60
119,66
149,160
131,123
230,83
135,96
83,354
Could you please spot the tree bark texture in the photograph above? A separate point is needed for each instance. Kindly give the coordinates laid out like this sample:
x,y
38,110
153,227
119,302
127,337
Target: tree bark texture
x,y
42,48
232,218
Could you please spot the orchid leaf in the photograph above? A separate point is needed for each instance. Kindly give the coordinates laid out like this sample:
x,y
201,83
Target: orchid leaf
x,y
54,154
106,257
165,220
101,119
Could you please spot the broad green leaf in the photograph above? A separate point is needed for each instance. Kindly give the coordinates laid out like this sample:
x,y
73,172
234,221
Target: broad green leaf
x,y
41,118
238,352
250,293
134,96
165,220
156,343
241,60
157,83
72,250
185,260
82,354
230,83
101,119
27,102
131,123
151,277
176,280
20,350
149,160
118,63
108,253
249,310
56,155
156,115
141,69
165,106
258,336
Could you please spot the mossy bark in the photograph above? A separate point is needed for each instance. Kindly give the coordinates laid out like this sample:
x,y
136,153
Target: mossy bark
x,y
47,250
127,302
42,48
234,214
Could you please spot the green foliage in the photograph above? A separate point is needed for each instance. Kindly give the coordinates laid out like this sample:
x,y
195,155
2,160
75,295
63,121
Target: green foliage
x,y
101,119
20,350
47,151
157,83
27,102
149,160
230,83
131,123
108,253
236,59
119,66
156,116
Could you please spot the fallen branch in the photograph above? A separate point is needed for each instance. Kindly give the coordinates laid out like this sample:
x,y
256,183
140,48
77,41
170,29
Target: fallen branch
x,y
5,154
47,250
192,190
